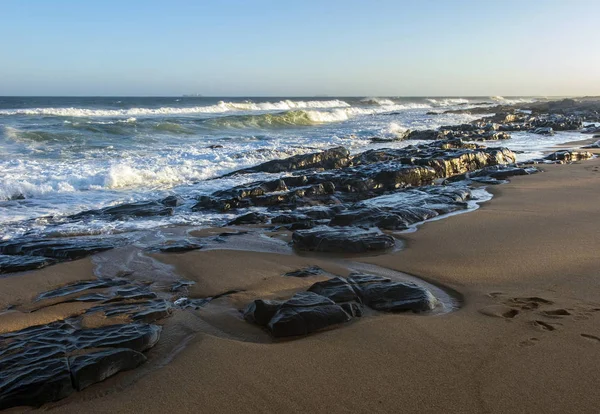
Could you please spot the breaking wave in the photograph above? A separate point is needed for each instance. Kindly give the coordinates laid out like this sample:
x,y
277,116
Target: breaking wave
x,y
218,108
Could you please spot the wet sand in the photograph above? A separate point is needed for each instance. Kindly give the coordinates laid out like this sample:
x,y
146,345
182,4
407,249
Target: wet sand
x,y
526,338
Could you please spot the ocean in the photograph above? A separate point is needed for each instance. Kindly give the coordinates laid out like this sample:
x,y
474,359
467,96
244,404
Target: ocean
x,y
64,155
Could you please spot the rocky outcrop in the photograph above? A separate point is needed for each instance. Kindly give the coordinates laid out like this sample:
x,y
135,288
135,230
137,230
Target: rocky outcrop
x,y
366,175
342,240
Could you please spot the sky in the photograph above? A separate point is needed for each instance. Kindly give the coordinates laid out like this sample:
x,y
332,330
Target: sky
x,y
300,48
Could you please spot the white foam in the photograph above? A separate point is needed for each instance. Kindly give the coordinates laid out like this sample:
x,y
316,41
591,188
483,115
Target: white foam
x,y
165,111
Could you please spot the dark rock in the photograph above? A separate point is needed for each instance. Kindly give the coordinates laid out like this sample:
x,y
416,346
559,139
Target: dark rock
x,y
384,295
172,201
179,246
569,156
342,240
10,264
35,384
136,336
307,271
336,289
329,159
60,249
360,279
250,218
353,309
129,210
543,131
95,367
80,287
261,311
304,313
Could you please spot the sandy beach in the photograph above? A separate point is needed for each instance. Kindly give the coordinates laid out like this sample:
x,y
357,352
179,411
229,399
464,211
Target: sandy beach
x,y
525,338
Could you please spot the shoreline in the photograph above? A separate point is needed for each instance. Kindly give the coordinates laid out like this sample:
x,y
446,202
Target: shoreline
x,y
465,360
506,309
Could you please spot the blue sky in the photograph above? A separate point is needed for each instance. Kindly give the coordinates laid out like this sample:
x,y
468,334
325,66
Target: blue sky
x,y
300,48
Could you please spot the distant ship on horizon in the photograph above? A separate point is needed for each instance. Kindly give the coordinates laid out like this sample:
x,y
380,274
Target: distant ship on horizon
x,y
193,95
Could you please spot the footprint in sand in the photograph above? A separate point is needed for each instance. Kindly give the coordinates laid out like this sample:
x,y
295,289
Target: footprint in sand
x,y
556,313
529,342
499,311
545,326
528,303
591,337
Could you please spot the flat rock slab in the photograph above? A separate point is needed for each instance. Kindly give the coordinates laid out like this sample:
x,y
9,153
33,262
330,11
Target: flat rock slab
x,y
342,240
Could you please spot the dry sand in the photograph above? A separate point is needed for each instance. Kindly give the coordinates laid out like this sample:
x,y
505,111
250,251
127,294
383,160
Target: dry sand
x,y
527,338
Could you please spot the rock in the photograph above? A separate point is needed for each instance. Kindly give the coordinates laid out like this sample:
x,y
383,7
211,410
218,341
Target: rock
x,y
329,159
569,156
10,264
130,210
336,289
342,240
80,287
35,384
304,313
179,246
136,336
60,249
94,367
543,131
261,311
172,201
307,271
250,218
384,295
353,309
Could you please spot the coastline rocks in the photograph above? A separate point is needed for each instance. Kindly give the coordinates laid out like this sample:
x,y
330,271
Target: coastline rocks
x,y
364,176
342,240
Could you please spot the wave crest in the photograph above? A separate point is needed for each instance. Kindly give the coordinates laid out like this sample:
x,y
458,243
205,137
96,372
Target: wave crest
x,y
210,109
